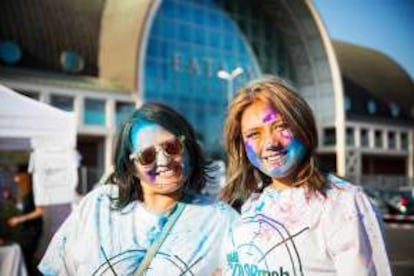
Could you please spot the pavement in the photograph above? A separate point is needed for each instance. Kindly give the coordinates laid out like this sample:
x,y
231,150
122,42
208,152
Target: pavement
x,y
401,248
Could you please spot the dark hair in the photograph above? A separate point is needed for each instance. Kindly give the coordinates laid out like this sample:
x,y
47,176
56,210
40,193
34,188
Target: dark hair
x,y
124,175
22,168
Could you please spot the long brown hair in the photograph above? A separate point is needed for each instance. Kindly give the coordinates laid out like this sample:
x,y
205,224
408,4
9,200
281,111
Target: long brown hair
x,y
242,177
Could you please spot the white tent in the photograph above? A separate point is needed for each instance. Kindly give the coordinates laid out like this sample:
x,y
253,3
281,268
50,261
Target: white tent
x,y
51,135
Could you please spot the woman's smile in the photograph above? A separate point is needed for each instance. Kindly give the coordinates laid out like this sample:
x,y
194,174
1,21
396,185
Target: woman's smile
x,y
276,159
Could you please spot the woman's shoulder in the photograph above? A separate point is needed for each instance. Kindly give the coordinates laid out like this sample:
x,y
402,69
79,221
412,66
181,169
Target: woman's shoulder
x,y
102,191
213,205
337,187
101,196
343,197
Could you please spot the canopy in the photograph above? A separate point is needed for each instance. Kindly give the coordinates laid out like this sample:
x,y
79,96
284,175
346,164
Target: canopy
x,y
51,134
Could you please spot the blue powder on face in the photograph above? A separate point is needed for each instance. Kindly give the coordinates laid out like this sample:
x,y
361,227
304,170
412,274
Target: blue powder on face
x,y
295,152
136,128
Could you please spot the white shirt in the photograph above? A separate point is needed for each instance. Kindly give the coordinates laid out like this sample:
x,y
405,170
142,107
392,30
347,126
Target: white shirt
x,y
96,237
296,232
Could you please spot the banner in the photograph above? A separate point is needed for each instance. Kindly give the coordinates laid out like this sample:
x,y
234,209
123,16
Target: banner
x,y
55,175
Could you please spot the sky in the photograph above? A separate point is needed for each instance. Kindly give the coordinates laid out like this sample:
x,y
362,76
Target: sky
x,y
383,25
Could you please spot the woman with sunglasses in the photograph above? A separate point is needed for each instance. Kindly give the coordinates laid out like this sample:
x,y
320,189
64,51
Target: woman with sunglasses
x,y
150,219
296,219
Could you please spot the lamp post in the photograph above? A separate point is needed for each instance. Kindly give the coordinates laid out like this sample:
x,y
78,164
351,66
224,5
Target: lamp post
x,y
229,77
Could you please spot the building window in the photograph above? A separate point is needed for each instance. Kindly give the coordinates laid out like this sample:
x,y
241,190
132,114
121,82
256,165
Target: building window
x,y
94,112
378,139
364,138
372,107
329,138
31,94
122,112
404,141
391,140
62,102
348,103
394,109
350,138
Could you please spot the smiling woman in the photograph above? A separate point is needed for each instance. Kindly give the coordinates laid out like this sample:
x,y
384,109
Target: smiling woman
x,y
150,218
296,219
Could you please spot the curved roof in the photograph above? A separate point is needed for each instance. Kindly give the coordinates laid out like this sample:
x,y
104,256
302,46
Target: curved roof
x,y
371,76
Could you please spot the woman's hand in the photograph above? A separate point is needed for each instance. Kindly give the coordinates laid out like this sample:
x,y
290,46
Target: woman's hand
x,y
15,221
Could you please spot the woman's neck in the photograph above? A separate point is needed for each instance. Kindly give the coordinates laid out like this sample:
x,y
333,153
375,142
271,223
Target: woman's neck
x,y
281,184
160,203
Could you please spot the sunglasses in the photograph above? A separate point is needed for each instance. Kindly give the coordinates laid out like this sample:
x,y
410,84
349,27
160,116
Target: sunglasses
x,y
148,156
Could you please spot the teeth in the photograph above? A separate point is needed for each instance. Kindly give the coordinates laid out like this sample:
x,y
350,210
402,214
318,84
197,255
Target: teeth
x,y
274,158
167,173
279,159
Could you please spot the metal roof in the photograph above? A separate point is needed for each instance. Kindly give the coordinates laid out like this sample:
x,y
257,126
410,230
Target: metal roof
x,y
45,29
369,75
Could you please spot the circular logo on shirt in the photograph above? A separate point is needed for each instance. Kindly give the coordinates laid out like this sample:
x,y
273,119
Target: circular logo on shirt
x,y
263,246
127,262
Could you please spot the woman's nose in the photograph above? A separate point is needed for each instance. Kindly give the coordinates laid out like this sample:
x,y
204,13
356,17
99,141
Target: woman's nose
x,y
162,159
271,140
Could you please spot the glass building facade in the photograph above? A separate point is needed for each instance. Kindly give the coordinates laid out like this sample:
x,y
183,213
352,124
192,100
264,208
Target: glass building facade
x,y
189,42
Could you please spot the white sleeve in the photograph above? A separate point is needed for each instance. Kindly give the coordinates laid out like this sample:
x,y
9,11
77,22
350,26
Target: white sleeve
x,y
58,260
356,241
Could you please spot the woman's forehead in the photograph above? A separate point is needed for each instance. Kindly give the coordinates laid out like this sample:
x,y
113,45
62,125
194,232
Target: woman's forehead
x,y
259,113
147,133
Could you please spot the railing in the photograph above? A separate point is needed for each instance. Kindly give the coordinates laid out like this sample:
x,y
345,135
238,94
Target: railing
x,y
387,181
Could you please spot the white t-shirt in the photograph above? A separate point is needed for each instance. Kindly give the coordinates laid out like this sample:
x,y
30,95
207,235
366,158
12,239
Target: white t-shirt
x,y
296,232
96,238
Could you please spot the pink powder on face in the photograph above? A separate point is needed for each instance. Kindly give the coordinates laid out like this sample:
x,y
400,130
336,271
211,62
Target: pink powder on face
x,y
286,134
270,117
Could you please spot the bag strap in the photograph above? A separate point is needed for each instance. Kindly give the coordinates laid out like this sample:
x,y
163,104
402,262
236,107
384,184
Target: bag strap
x,y
152,251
